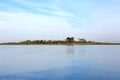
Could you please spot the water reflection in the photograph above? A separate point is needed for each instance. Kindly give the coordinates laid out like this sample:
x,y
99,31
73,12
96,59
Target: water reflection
x,y
82,50
76,50
70,49
54,63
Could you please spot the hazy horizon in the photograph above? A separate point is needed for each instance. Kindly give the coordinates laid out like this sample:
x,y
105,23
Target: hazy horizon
x,y
96,20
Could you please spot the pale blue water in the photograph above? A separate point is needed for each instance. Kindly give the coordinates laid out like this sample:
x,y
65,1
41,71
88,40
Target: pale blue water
x,y
60,62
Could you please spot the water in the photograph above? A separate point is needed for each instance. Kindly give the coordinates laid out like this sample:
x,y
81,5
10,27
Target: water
x,y
60,62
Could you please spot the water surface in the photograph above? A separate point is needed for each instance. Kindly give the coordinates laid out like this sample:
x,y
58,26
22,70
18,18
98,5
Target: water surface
x,y
52,62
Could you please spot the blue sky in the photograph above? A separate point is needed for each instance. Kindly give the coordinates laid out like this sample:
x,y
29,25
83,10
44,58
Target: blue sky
x,y
56,19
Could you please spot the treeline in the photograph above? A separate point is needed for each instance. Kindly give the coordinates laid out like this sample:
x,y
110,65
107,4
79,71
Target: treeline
x,y
58,42
27,42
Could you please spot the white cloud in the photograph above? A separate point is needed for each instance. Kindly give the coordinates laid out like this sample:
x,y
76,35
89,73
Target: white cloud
x,y
19,25
58,19
105,28
22,26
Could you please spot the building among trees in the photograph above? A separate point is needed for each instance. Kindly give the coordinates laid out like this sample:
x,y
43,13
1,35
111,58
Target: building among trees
x,y
82,40
69,39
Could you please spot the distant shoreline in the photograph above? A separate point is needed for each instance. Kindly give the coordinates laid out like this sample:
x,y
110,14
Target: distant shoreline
x,y
64,44
67,41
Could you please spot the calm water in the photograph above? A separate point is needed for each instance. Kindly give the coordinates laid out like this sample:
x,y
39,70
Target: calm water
x,y
60,62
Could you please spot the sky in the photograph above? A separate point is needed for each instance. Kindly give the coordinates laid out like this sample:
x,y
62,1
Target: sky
x,y
96,20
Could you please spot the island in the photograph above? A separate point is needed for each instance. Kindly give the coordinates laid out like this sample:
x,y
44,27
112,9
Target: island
x,y
67,41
